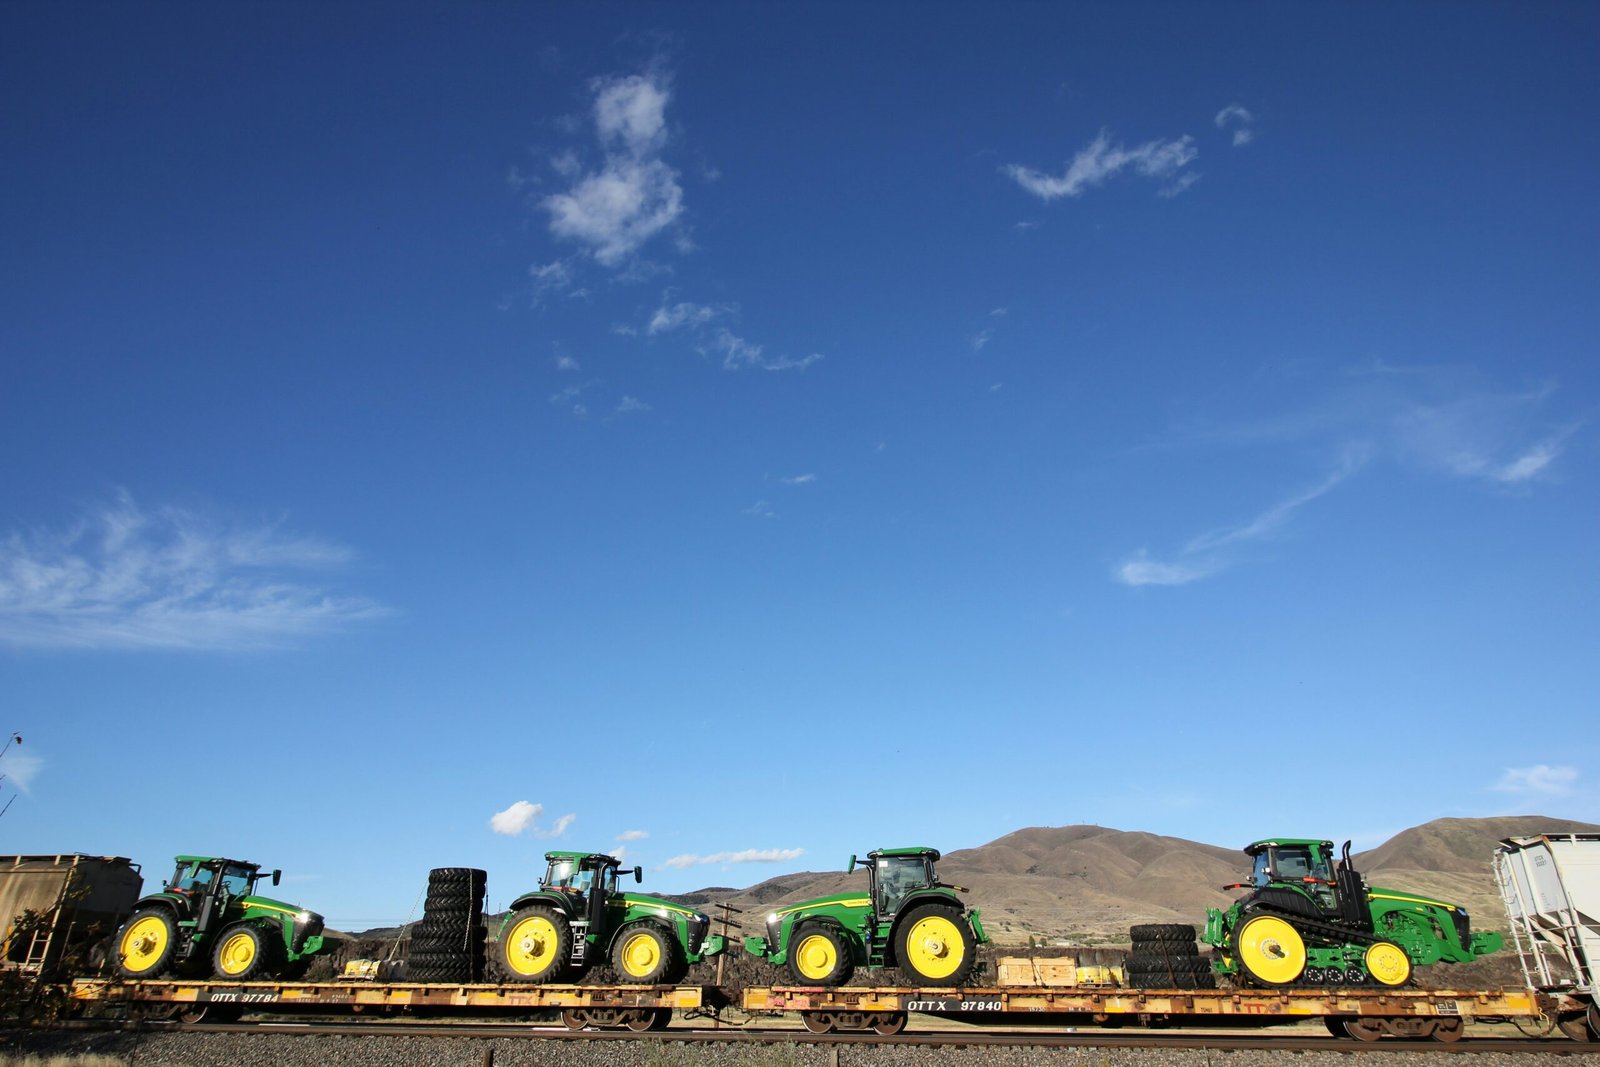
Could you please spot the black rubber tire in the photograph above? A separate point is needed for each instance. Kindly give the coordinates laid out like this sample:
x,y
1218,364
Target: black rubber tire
x,y
437,905
164,961
455,974
969,945
437,959
457,932
1161,932
1170,964
563,950
843,964
1165,949
1168,980
474,875
266,959
669,962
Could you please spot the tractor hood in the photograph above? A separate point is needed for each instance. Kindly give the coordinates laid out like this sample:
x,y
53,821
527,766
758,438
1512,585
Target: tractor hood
x,y
837,900
645,902
304,926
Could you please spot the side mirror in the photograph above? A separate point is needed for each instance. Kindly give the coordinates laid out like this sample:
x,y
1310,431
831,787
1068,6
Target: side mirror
x,y
638,874
277,876
852,865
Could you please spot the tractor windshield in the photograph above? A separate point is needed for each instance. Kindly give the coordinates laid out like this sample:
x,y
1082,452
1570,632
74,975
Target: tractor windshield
x,y
1296,863
569,874
191,876
237,879
898,876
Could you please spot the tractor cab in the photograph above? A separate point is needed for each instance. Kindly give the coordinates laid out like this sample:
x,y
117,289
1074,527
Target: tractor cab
x,y
199,875
894,874
582,873
1337,889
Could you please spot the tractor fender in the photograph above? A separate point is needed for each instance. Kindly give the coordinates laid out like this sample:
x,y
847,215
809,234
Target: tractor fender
x,y
177,905
564,903
851,938
665,925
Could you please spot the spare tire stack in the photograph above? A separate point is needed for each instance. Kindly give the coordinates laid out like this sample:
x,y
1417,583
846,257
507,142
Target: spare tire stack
x,y
1165,957
447,945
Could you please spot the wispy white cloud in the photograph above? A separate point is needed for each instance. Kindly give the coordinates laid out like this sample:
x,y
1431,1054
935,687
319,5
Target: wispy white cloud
x,y
169,579
571,397
634,195
761,509
1483,435
749,855
20,769
523,817
1212,552
799,479
680,315
739,354
1142,570
1240,120
633,835
567,363
629,405
1539,780
1100,161
736,352
981,338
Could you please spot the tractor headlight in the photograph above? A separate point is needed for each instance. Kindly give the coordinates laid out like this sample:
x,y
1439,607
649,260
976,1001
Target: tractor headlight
x,y
772,932
698,925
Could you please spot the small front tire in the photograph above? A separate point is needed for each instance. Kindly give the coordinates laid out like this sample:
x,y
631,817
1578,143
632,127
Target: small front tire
x,y
244,953
818,956
645,954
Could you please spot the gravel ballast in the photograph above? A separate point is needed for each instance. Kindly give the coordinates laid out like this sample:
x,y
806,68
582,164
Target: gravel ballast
x,y
285,1050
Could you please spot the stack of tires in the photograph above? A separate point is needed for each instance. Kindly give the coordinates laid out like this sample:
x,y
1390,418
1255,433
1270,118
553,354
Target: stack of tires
x,y
1165,957
447,945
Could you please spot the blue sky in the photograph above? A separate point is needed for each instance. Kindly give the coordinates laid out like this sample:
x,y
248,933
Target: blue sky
x,y
744,434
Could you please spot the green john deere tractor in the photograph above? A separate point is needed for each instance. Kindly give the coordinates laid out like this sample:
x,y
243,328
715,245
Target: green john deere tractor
x,y
208,917
1310,921
906,918
577,917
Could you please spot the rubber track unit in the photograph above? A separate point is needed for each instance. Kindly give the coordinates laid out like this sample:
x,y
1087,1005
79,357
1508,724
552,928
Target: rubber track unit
x,y
1325,934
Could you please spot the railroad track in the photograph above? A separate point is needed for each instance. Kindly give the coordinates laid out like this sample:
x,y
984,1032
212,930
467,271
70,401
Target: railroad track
x,y
1014,1038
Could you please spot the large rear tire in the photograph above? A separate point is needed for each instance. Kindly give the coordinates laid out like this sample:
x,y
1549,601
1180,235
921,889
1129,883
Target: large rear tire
x,y
147,943
818,955
1269,949
536,945
934,945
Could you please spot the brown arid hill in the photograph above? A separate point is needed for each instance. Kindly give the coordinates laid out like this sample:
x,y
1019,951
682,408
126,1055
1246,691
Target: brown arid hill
x,y
1085,885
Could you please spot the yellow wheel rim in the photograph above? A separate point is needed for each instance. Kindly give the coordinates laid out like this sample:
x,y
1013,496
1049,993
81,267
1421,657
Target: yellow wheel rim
x,y
815,957
934,948
1388,964
531,946
1271,949
640,954
238,952
144,943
